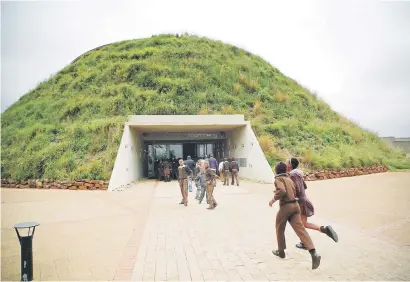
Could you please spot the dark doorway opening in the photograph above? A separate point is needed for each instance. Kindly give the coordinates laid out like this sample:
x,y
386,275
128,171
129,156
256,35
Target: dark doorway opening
x,y
165,150
189,150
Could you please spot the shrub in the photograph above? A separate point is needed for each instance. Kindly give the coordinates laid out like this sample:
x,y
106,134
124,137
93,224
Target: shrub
x,y
281,97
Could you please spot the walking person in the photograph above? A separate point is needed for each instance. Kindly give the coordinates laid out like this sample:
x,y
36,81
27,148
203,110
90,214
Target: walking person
x,y
200,182
306,207
289,210
210,179
203,187
184,172
199,166
189,162
213,163
234,172
226,171
221,171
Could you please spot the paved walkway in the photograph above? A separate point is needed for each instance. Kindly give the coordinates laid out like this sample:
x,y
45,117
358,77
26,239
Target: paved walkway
x,y
143,234
234,241
83,235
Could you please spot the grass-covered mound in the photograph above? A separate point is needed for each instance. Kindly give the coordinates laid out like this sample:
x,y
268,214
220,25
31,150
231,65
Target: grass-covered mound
x,y
70,126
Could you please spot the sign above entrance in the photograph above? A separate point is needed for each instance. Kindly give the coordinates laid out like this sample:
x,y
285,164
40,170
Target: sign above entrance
x,y
181,136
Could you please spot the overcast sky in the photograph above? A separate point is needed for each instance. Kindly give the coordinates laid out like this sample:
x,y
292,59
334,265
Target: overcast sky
x,y
354,54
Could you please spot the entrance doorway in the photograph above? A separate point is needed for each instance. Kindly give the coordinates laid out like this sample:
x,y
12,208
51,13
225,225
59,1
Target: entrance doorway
x,y
179,150
189,150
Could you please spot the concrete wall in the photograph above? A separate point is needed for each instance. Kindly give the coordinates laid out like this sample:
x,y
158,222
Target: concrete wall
x,y
185,119
403,143
242,143
400,143
128,164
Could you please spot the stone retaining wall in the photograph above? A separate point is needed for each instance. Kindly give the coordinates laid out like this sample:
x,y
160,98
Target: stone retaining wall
x,y
348,172
82,184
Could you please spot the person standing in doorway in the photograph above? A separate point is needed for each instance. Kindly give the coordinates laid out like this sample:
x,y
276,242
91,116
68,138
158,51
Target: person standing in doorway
x,y
213,163
306,207
167,171
210,179
227,169
184,172
234,172
221,171
161,170
156,169
189,162
174,167
289,210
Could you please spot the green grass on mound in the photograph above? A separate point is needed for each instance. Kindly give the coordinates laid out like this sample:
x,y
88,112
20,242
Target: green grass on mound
x,y
70,126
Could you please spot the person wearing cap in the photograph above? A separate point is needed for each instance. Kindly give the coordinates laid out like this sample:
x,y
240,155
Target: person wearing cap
x,y
306,207
234,172
226,171
289,211
184,172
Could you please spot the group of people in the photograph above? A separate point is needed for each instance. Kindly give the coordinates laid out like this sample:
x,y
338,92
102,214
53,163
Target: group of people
x,y
290,191
295,208
204,177
229,170
166,169
204,173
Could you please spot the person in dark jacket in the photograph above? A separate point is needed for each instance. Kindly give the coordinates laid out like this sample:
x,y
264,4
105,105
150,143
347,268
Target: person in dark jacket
x,y
213,163
156,170
306,207
289,211
234,172
174,167
190,163
161,170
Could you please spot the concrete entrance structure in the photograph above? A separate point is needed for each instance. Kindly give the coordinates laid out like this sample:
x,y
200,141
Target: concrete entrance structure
x,y
239,142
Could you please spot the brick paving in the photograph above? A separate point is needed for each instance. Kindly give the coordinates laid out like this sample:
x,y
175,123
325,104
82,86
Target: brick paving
x,y
142,234
234,241
83,235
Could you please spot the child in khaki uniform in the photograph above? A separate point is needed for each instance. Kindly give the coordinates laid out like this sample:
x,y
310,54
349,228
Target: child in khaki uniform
x,y
289,211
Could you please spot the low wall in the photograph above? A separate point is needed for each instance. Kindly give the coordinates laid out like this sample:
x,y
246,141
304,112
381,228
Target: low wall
x,y
348,172
82,184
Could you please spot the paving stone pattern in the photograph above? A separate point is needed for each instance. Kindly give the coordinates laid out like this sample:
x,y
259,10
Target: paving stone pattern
x,y
142,234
